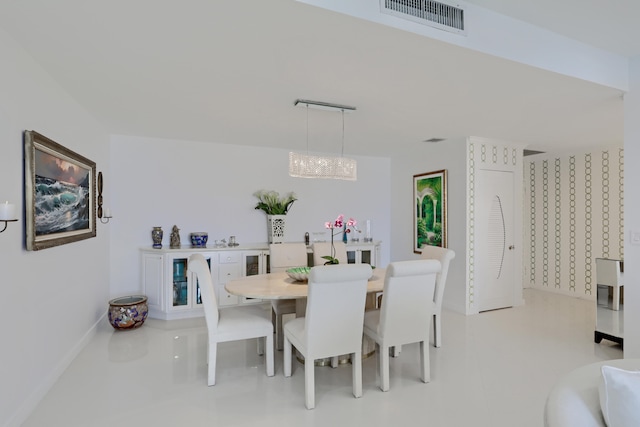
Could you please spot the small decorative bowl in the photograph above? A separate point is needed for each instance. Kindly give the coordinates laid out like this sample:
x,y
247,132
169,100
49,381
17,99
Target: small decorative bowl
x,y
199,240
299,274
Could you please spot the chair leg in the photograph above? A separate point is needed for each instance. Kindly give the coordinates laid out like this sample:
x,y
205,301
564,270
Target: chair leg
x,y
309,383
378,363
356,373
437,330
395,350
279,331
287,357
212,352
425,369
274,322
260,346
269,352
384,368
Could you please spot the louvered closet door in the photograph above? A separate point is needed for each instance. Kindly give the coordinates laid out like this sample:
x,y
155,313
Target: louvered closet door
x,y
494,240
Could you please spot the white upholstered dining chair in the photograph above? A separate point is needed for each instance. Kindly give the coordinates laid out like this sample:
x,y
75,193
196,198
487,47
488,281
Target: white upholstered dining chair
x,y
405,316
333,323
281,257
230,324
321,249
445,256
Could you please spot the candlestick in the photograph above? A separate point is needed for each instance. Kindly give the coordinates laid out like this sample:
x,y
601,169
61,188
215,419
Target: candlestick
x,y
7,211
106,216
367,233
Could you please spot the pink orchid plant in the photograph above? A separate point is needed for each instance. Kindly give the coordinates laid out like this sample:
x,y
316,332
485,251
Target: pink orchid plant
x,y
342,227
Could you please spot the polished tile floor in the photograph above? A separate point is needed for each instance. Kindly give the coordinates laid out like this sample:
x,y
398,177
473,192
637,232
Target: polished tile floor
x,y
494,369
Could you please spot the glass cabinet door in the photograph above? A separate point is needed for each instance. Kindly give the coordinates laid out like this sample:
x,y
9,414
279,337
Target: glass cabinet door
x,y
181,293
198,294
180,286
366,257
252,264
255,262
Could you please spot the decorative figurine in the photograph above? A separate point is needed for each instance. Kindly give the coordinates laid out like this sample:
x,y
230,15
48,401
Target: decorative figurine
x,y
175,238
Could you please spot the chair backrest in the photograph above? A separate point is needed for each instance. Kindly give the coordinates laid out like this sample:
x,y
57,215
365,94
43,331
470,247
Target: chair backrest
x,y
287,255
199,269
608,271
409,286
321,249
445,256
335,308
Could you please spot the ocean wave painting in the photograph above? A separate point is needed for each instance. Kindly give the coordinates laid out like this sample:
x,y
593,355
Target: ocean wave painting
x,y
60,194
60,206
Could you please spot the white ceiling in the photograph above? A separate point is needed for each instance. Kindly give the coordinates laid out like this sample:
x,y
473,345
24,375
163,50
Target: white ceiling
x,y
609,25
230,71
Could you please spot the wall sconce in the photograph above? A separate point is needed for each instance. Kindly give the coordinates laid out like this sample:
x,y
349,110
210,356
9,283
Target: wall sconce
x,y
107,212
7,214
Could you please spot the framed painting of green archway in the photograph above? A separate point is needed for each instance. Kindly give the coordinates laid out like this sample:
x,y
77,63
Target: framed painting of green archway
x,y
429,210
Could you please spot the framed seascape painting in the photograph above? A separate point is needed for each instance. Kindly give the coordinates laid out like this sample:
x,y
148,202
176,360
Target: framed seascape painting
x,y
429,210
60,194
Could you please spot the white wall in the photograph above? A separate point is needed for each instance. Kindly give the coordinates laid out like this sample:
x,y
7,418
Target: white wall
x,y
425,157
632,213
51,299
206,186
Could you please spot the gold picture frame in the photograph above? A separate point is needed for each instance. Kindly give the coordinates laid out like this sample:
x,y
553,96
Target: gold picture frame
x,y
60,194
429,210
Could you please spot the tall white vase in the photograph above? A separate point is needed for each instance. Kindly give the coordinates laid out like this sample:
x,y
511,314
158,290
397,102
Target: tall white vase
x,y
275,227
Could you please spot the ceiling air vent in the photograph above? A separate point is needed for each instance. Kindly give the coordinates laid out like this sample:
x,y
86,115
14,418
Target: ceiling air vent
x,y
433,13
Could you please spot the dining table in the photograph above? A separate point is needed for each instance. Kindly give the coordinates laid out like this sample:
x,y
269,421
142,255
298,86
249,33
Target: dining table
x,y
275,286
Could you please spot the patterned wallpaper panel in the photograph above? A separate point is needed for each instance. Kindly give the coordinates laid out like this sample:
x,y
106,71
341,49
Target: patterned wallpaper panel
x,y
573,213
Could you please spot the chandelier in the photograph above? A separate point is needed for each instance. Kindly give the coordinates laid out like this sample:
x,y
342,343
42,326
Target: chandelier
x,y
327,167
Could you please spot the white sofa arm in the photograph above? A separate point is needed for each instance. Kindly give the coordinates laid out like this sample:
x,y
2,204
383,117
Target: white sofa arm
x,y
574,399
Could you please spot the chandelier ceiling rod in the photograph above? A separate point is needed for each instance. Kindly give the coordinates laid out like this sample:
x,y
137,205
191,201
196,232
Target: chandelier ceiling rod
x,y
324,105
342,152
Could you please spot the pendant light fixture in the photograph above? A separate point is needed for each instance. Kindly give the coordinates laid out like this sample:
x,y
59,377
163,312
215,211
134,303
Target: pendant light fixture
x,y
327,167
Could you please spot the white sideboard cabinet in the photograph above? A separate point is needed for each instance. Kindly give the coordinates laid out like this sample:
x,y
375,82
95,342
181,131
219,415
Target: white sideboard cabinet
x,y
364,253
171,296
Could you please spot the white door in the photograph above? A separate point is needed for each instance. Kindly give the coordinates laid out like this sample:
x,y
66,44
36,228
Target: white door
x,y
495,254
